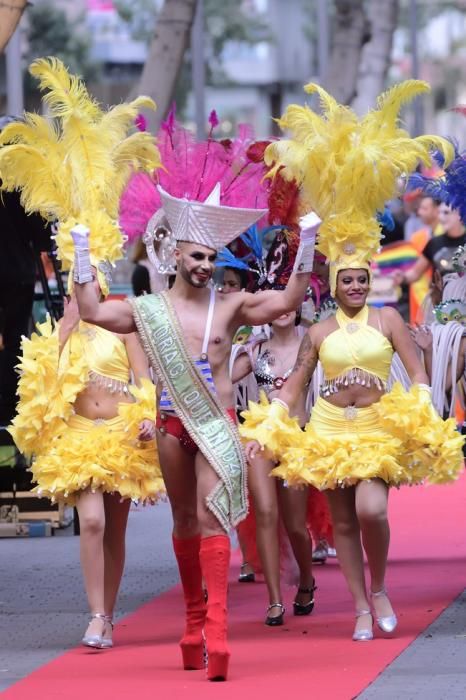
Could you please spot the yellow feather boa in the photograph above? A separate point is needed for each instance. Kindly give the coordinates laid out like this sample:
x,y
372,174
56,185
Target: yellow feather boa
x,y
413,445
105,456
46,396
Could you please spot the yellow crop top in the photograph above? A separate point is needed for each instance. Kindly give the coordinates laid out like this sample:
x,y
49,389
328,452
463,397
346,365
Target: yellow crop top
x,y
356,353
105,356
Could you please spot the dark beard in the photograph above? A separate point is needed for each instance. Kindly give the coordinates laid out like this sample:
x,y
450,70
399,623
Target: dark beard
x,y
188,277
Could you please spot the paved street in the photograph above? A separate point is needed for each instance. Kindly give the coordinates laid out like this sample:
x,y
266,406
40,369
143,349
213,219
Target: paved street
x,y
43,611
43,608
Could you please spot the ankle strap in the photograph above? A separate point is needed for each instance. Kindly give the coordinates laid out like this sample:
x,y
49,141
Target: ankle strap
x,y
377,594
360,613
276,605
109,619
99,616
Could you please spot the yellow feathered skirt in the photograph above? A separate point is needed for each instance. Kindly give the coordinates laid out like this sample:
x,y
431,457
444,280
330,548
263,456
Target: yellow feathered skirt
x,y
101,455
400,439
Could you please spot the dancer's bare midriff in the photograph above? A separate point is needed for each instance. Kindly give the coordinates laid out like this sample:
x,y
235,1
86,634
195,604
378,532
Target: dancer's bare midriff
x,y
94,402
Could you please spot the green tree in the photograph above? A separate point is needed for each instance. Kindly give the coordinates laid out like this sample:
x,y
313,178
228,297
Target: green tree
x,y
51,33
140,16
224,22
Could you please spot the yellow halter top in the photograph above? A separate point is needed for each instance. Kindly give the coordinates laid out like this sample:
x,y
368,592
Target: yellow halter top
x,y
355,353
105,356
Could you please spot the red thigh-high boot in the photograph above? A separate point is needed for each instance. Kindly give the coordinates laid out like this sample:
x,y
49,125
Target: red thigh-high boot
x,y
192,643
215,561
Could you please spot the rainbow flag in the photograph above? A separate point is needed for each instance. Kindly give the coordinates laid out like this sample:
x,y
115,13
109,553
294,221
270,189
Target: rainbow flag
x,y
395,256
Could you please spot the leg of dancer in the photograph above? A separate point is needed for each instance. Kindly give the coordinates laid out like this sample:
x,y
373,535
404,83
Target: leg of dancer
x,y
90,507
347,535
247,573
320,525
263,490
293,509
362,511
102,520
371,507
116,519
214,557
202,550
180,481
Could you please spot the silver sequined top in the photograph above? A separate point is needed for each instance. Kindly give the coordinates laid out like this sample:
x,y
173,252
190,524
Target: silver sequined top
x,y
263,372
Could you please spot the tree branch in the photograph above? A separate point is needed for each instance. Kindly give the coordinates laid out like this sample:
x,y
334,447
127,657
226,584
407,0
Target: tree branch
x,y
165,57
351,32
376,54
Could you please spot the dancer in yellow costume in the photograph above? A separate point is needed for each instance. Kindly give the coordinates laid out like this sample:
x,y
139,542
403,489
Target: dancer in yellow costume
x,y
360,440
89,431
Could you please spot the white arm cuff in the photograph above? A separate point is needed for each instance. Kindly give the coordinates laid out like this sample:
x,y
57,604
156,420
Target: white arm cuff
x,y
309,225
82,262
304,260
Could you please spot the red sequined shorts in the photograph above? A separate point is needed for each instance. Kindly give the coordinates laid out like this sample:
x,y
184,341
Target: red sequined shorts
x,y
170,424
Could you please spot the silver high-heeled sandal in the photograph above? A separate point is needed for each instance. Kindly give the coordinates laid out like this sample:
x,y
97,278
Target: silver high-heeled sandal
x,y
106,642
388,623
95,640
364,635
320,553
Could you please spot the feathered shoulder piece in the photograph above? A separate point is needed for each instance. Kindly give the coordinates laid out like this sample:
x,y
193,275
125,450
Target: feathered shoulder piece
x,y
348,167
73,165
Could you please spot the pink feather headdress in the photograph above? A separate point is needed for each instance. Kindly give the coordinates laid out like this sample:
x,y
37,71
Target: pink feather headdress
x,y
191,169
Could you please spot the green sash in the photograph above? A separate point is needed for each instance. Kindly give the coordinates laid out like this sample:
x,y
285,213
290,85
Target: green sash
x,y
198,408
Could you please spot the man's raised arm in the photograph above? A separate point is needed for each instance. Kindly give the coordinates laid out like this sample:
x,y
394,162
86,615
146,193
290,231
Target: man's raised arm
x,y
115,316
267,306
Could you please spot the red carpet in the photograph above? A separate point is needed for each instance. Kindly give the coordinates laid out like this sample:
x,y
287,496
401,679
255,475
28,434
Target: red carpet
x,y
313,655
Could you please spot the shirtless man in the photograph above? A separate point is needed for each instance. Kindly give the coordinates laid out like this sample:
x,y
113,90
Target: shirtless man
x,y
201,457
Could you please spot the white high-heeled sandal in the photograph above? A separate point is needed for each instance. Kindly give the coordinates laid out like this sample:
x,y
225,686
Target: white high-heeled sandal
x,y
387,623
95,640
365,634
107,643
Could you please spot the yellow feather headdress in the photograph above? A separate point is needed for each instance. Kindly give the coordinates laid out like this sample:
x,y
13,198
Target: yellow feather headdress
x,y
73,165
348,167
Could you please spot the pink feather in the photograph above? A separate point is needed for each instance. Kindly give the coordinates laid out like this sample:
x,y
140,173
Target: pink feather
x,y
137,204
141,122
213,119
191,171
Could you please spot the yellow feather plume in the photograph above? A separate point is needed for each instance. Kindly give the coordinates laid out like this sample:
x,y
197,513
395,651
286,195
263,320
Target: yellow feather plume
x,y
66,94
73,166
348,167
390,102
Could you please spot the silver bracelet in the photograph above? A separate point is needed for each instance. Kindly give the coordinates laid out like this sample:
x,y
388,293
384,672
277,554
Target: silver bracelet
x,y
426,387
282,403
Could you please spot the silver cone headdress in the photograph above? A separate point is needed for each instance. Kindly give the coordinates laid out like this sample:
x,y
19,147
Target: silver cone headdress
x,y
208,223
